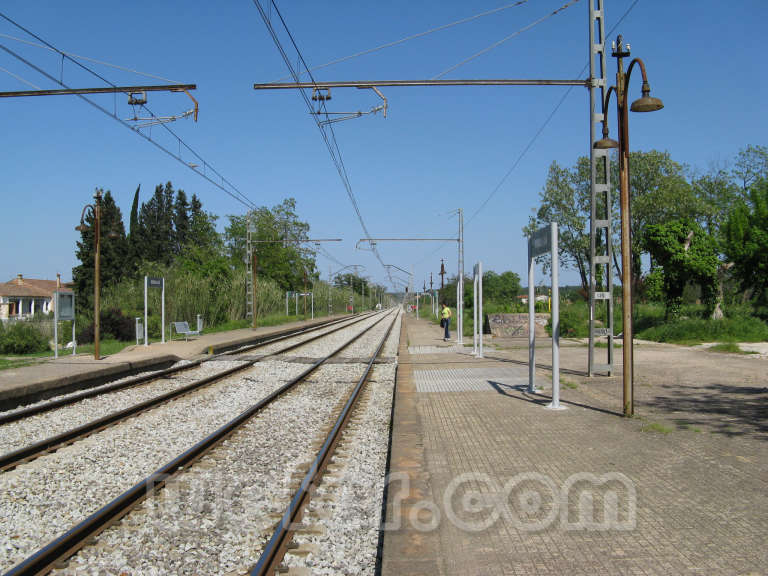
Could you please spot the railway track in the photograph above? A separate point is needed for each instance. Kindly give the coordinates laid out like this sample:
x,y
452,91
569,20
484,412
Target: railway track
x,y
157,388
274,409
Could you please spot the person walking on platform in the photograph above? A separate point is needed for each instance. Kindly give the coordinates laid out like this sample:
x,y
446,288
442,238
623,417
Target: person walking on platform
x,y
445,321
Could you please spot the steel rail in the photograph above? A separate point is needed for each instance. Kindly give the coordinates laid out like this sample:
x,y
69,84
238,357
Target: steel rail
x,y
275,549
42,561
261,341
14,458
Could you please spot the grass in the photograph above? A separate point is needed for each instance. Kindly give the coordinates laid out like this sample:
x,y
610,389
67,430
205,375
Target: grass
x,y
656,427
730,348
569,384
107,348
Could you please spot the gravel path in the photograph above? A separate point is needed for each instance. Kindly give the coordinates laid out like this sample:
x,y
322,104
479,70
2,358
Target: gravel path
x,y
117,458
277,346
216,517
320,348
34,428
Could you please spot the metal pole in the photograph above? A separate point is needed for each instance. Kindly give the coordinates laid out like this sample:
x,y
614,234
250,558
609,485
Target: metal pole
x,y
626,230
480,310
460,303
162,313
56,324
254,276
555,405
474,310
146,311
97,276
286,303
313,305
531,320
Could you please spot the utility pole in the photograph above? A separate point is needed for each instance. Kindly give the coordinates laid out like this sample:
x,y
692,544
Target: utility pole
x,y
460,286
442,275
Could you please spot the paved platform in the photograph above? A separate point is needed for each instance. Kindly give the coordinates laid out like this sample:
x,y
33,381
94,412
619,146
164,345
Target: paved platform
x,y
485,480
68,373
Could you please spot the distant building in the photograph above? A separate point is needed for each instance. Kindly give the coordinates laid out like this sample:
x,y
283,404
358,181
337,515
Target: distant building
x,y
24,297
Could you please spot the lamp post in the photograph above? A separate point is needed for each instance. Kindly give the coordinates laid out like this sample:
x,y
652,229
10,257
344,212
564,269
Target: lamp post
x,y
355,266
646,103
82,227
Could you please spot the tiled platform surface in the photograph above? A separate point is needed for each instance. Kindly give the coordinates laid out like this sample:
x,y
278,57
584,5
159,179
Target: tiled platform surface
x,y
485,480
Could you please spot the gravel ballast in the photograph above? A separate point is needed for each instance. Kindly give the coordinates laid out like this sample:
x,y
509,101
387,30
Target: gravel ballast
x,y
79,479
38,427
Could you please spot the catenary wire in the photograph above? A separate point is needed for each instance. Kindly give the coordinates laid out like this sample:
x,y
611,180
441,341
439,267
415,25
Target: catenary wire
x,y
20,79
412,37
232,192
534,138
326,130
505,39
88,59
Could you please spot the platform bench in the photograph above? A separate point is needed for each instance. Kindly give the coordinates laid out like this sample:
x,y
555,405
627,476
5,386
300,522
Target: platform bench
x,y
183,328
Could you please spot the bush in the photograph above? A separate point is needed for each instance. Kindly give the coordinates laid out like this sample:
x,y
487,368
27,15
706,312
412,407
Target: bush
x,y
22,338
114,324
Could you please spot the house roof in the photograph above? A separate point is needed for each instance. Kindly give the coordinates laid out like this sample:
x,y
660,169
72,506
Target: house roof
x,y
29,288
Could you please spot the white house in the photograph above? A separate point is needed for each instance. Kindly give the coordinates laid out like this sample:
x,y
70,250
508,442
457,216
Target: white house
x,y
23,297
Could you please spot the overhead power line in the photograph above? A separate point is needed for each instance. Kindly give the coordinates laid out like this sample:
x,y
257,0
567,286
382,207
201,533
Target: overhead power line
x,y
412,37
326,129
535,137
201,169
506,38
87,59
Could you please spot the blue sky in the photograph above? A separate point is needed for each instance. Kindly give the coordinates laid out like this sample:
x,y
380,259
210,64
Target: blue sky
x,y
437,150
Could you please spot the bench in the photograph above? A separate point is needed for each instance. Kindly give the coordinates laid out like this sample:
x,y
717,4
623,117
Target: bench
x,y
183,328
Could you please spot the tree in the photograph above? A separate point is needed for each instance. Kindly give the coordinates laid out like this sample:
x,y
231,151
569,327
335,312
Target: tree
x,y
687,254
751,166
746,243
134,234
565,199
114,252
279,235
156,226
181,222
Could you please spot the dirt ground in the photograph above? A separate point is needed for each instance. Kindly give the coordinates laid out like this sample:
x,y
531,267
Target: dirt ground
x,y
676,387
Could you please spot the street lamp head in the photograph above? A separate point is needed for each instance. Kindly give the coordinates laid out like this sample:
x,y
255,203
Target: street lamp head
x,y
646,103
605,143
81,227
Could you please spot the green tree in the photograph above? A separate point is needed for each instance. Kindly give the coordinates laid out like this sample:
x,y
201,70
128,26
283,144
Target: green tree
x,y
279,247
156,226
746,243
181,221
114,252
565,199
134,235
687,254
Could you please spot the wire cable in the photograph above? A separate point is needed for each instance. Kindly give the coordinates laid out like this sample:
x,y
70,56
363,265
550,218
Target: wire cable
x,y
232,191
20,79
505,39
94,60
326,130
535,137
412,37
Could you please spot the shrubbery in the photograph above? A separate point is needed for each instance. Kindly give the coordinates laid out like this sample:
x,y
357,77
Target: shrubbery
x,y
114,325
21,338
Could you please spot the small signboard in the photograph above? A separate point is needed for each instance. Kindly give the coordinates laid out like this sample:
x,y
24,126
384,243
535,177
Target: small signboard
x,y
65,305
155,282
541,241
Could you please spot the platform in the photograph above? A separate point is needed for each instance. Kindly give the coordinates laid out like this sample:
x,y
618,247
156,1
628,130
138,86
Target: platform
x,y
68,373
485,480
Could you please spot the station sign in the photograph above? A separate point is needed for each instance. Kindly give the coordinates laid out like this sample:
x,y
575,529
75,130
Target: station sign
x,y
154,282
541,241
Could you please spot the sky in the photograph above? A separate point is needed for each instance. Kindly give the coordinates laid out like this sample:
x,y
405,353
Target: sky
x,y
438,149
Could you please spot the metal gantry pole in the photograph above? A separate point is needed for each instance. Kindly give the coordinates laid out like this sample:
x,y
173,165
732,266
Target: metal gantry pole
x,y
480,307
555,404
531,321
460,296
474,310
600,229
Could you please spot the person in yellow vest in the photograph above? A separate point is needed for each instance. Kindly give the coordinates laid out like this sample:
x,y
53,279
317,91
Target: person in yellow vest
x,y
445,321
